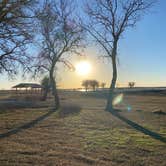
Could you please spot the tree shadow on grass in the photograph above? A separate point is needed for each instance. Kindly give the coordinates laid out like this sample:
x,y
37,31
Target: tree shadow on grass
x,y
64,112
26,126
139,127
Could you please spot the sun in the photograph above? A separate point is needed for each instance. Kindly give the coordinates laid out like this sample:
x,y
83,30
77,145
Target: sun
x,y
83,68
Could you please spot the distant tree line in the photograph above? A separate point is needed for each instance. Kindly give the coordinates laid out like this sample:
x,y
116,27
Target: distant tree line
x,y
92,84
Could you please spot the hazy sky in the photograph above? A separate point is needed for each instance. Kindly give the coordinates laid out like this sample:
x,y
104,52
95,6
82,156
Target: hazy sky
x,y
142,57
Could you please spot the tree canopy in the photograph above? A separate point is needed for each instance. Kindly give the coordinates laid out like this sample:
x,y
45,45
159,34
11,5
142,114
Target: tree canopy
x,y
16,19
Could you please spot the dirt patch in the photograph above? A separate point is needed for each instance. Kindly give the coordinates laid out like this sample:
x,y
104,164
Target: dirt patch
x,y
69,110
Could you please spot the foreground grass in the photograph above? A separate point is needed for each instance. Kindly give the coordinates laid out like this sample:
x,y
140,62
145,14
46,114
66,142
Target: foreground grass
x,y
80,133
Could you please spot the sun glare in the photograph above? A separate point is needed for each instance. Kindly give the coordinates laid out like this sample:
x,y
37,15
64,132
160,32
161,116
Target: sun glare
x,y
83,68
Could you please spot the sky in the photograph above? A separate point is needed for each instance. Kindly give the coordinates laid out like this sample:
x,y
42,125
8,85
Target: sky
x,y
141,53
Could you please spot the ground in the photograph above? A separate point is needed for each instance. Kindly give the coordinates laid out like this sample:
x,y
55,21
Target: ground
x,y
81,133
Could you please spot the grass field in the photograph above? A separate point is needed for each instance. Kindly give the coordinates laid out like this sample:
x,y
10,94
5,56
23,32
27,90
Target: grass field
x,y
82,133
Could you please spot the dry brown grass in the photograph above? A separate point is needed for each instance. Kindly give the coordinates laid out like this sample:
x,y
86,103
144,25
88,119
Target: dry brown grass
x,y
82,133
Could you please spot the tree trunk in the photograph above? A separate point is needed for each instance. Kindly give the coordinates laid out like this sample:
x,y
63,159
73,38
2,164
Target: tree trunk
x,y
54,89
93,88
109,106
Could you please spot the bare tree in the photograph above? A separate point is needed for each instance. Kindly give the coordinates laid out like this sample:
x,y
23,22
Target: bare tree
x,y
131,84
94,84
90,84
60,36
109,20
15,33
103,85
85,84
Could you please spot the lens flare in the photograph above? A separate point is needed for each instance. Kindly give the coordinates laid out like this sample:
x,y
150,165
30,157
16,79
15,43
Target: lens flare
x,y
129,108
118,99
